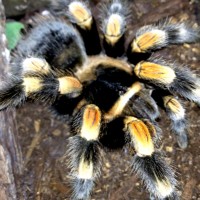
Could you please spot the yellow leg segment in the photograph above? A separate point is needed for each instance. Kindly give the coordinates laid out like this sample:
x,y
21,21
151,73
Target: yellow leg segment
x,y
91,123
155,72
141,136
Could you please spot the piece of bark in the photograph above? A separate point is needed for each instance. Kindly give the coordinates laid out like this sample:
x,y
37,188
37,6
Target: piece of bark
x,y
10,152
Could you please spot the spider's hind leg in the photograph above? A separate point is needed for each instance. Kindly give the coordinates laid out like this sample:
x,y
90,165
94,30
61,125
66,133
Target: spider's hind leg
x,y
176,113
85,151
56,42
147,163
158,177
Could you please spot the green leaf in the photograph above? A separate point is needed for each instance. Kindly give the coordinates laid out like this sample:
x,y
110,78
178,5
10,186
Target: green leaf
x,y
13,33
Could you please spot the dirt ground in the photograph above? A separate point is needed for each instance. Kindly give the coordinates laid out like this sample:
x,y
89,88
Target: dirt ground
x,y
43,139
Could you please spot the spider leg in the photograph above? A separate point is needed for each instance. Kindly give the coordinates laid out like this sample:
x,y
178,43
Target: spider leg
x,y
113,20
56,42
37,83
153,37
46,59
142,105
147,163
85,151
80,14
168,76
176,113
158,177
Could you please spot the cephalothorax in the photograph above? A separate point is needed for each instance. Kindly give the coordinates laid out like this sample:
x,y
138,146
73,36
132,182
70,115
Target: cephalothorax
x,y
107,92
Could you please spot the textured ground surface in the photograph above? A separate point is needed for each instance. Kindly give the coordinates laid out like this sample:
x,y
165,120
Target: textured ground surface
x,y
43,139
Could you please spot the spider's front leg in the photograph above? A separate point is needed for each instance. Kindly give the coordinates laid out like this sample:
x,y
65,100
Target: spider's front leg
x,y
113,19
80,14
37,82
43,69
151,38
179,81
85,151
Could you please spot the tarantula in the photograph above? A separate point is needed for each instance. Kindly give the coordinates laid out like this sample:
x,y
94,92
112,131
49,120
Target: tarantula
x,y
107,92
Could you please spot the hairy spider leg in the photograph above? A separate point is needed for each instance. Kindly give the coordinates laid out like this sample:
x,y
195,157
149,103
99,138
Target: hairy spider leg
x,y
36,83
113,22
56,42
79,13
158,177
153,37
176,113
85,151
165,75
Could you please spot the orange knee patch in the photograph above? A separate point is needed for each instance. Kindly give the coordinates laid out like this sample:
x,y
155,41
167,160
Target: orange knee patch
x,y
140,136
153,71
35,65
68,84
91,123
173,104
148,41
114,29
81,14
